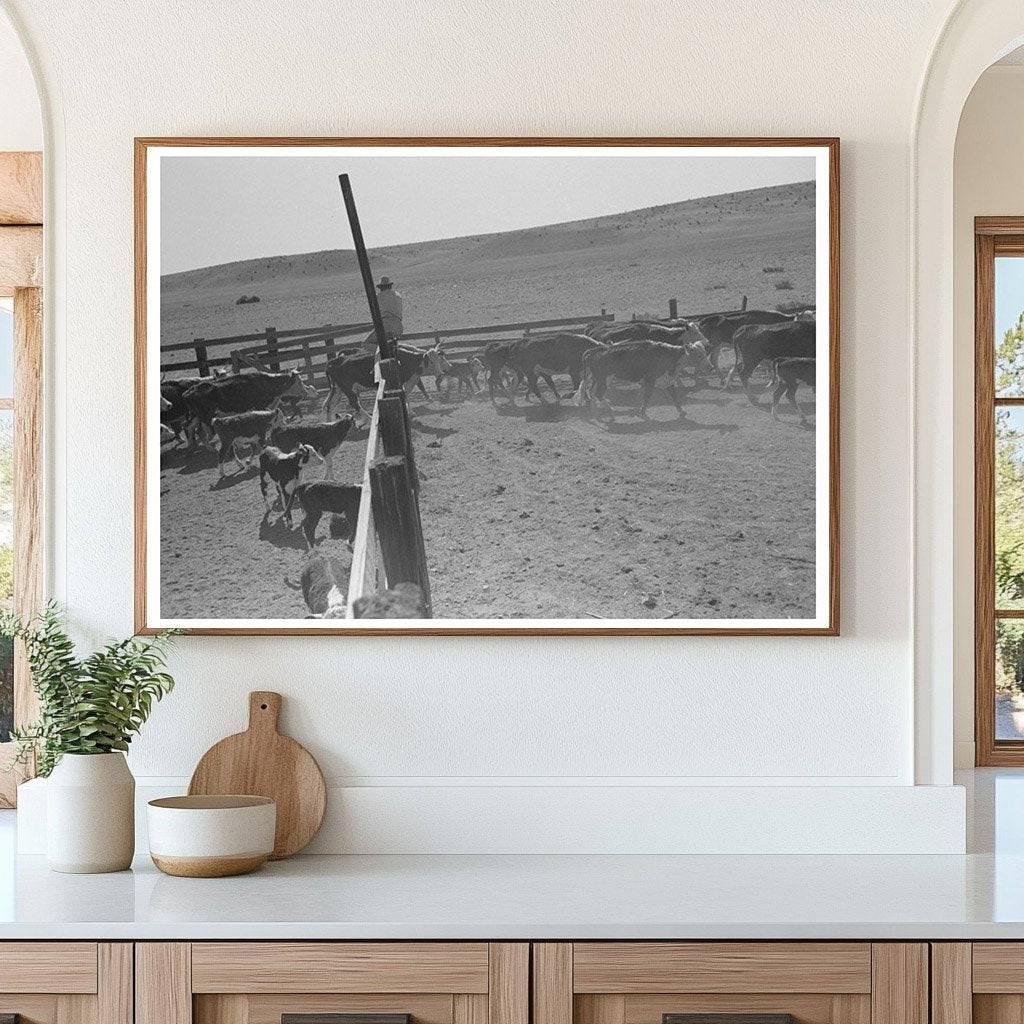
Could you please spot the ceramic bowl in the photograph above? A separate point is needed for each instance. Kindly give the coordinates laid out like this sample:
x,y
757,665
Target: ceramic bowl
x,y
211,836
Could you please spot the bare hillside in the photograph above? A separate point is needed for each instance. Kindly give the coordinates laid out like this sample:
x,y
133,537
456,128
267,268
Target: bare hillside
x,y
704,252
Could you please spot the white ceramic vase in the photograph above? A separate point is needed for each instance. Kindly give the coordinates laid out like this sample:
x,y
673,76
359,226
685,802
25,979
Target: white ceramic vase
x,y
90,814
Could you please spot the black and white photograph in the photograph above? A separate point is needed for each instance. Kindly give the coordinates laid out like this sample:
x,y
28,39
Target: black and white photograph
x,y
599,394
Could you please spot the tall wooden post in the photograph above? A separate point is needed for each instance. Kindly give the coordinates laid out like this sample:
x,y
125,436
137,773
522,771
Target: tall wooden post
x,y
388,348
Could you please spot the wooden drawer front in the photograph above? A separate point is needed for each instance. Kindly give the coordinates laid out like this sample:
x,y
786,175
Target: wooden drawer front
x,y
339,967
998,967
710,967
48,967
648,1009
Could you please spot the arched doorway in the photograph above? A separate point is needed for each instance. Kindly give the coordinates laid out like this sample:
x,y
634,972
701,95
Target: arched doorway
x,y
976,33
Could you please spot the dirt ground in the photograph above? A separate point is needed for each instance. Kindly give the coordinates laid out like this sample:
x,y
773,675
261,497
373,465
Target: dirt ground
x,y
535,512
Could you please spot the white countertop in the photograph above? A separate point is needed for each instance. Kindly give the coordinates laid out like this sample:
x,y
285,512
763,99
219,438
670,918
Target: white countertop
x,y
977,896
532,897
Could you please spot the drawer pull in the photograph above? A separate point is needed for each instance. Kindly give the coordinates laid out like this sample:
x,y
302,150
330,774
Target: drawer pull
x,y
10,1018
340,1018
728,1018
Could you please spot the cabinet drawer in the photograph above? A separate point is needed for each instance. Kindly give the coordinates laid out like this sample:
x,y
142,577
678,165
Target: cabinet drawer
x,y
261,982
340,967
749,982
630,967
48,967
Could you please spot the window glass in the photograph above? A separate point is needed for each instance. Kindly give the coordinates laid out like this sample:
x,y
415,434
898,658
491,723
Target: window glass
x,y
1009,327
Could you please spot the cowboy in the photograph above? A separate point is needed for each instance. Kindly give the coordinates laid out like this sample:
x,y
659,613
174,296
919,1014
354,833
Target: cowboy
x,y
390,303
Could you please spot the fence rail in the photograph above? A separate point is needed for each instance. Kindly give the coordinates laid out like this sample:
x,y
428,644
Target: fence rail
x,y
365,574
310,349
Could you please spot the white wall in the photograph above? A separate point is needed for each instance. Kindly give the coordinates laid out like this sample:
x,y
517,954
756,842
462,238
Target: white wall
x,y
988,181
21,125
444,713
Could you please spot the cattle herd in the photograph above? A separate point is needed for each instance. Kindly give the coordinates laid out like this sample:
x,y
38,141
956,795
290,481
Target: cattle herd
x,y
258,419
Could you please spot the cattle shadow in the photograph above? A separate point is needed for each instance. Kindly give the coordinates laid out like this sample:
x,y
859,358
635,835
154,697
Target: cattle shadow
x,y
425,428
681,425
279,534
223,483
187,460
535,413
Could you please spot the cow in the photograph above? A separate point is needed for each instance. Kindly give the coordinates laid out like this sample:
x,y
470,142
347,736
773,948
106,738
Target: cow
x,y
756,342
323,438
348,372
646,362
282,470
497,359
681,333
323,582
323,496
548,354
787,375
174,412
402,601
250,427
241,393
720,328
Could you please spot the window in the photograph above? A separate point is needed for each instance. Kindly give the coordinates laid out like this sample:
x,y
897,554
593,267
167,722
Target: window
x,y
999,490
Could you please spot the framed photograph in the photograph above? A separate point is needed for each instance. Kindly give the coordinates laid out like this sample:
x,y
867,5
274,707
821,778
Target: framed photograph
x,y
487,386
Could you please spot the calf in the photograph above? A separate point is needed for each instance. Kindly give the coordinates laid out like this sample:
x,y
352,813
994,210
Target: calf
x,y
787,376
324,584
465,371
282,470
251,427
324,438
322,496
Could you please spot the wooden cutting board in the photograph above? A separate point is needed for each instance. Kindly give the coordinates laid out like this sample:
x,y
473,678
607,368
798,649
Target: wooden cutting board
x,y
262,762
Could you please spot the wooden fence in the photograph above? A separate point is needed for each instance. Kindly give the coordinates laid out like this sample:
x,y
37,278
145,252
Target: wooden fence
x,y
310,349
366,575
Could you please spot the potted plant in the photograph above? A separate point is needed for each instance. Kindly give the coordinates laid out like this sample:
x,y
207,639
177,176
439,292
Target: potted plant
x,y
89,709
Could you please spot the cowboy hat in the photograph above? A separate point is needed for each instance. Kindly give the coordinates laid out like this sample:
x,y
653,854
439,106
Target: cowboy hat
x,y
384,282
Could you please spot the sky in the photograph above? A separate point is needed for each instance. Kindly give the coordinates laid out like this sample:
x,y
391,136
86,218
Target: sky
x,y
218,209
1009,293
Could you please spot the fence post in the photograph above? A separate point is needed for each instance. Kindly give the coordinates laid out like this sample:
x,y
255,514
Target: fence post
x,y
272,361
308,359
397,517
391,371
202,361
236,362
393,436
673,309
743,305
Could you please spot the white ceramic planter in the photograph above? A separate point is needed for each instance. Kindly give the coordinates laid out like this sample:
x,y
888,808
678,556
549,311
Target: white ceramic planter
x,y
90,814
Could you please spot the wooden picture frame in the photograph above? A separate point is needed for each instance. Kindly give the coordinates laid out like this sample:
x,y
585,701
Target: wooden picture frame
x,y
21,272
826,621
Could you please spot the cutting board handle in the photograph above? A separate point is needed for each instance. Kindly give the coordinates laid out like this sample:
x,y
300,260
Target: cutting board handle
x,y
264,710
